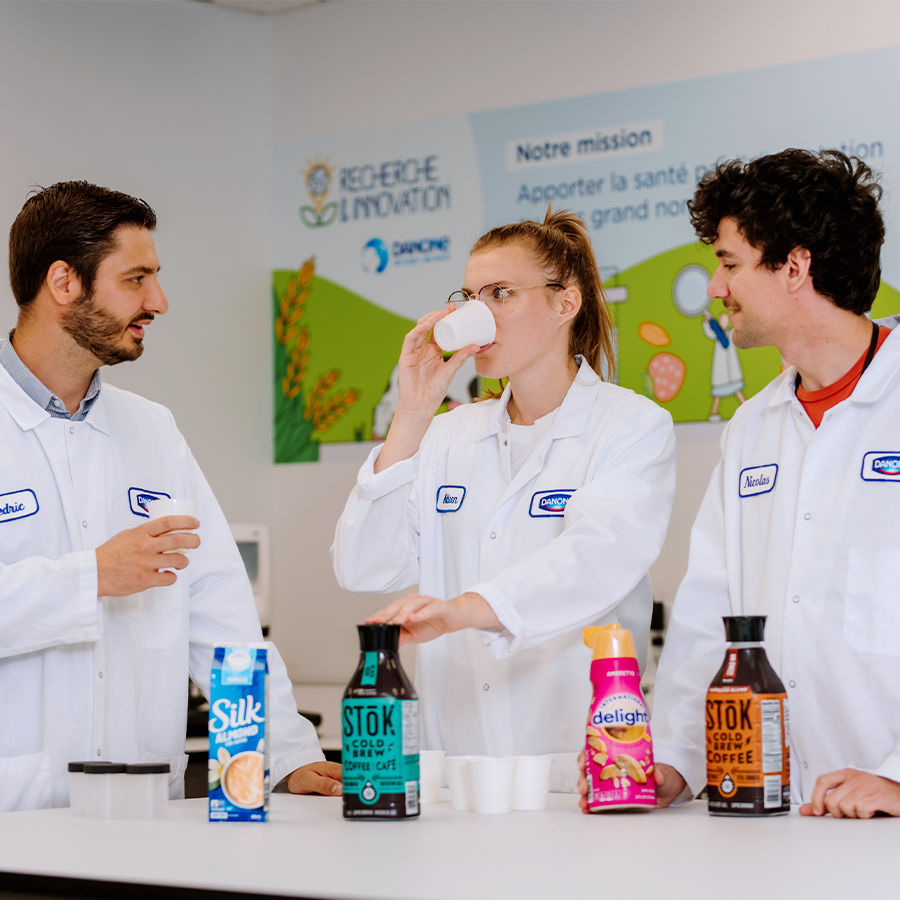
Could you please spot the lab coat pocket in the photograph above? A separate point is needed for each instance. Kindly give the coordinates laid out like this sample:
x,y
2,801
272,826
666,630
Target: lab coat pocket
x,y
161,617
177,767
25,782
872,600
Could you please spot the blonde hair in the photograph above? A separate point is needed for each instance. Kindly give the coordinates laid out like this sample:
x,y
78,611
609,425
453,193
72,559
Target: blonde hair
x,y
563,247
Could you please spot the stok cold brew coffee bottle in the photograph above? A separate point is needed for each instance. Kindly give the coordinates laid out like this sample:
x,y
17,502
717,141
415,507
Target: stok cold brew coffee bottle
x,y
380,732
747,731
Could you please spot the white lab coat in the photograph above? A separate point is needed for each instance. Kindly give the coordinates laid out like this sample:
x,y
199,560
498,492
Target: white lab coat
x,y
524,689
88,678
813,545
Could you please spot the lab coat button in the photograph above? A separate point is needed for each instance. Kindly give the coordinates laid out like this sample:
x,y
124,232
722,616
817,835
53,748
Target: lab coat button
x,y
805,764
100,673
485,687
493,535
795,598
71,429
84,524
807,516
792,683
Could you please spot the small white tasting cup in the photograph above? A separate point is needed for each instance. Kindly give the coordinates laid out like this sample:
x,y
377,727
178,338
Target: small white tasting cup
x,y
471,323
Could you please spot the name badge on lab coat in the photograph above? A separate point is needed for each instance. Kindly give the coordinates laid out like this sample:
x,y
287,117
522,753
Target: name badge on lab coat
x,y
549,503
450,498
18,505
877,465
138,498
757,480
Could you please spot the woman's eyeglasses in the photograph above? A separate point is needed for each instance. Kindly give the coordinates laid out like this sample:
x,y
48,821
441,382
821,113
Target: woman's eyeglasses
x,y
494,295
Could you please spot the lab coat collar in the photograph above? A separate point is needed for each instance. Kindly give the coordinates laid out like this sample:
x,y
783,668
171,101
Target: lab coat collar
x,y
875,380
28,415
570,414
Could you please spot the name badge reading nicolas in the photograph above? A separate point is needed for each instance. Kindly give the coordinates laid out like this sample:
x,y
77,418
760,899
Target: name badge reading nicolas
x,y
450,498
549,503
877,465
757,480
18,505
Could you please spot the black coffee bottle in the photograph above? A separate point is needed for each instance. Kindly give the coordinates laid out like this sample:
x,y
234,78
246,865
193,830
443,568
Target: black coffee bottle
x,y
380,732
747,730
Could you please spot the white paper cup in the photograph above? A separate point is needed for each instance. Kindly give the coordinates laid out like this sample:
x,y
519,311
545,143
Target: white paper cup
x,y
458,781
471,323
431,775
491,782
531,781
172,506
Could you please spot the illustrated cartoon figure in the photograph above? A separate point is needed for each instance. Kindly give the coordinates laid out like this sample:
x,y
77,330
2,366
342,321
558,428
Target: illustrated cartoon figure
x,y
463,388
726,377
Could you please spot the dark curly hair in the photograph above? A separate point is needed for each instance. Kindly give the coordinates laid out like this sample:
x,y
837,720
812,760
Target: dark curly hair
x,y
825,202
72,221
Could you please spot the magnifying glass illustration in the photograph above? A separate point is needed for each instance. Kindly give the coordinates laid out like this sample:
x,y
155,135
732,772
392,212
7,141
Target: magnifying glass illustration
x,y
689,296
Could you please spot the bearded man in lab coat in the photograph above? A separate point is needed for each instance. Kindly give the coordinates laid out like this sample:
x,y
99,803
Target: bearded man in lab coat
x,y
97,633
800,519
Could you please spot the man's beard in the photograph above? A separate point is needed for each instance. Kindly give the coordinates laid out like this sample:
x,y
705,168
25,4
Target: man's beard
x,y
101,333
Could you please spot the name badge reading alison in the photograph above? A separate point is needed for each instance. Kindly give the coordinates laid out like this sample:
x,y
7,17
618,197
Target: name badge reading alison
x,y
757,480
877,465
450,498
549,503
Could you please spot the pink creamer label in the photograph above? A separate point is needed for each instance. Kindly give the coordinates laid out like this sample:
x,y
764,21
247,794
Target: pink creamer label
x,y
618,748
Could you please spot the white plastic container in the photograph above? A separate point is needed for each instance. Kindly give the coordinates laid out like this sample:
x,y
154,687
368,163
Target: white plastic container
x,y
77,787
105,790
147,788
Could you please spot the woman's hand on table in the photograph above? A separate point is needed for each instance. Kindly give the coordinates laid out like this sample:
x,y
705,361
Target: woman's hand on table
x,y
321,777
425,618
669,783
852,794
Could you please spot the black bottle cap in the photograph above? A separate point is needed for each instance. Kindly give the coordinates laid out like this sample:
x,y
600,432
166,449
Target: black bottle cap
x,y
744,629
104,768
378,637
78,765
147,768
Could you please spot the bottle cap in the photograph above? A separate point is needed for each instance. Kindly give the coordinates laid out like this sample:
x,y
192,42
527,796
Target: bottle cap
x,y
104,768
609,641
378,637
147,768
78,765
744,629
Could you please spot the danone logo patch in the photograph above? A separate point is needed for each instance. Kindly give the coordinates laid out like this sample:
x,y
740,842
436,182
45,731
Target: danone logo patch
x,y
449,497
138,498
877,465
18,505
549,503
757,480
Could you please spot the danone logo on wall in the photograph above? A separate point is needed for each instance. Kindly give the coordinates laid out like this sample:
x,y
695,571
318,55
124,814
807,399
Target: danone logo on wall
x,y
385,218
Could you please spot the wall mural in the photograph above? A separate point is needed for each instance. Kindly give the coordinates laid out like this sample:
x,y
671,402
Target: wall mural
x,y
373,229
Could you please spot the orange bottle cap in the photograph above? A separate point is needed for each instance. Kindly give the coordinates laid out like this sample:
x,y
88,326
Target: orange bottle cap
x,y
609,642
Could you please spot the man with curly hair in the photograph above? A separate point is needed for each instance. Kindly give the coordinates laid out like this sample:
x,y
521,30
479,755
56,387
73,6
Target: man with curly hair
x,y
812,544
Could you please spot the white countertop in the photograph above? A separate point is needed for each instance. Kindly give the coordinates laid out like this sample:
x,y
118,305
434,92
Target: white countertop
x,y
308,849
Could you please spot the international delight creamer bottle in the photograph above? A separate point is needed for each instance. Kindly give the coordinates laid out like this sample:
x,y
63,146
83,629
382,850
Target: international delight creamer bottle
x,y
618,749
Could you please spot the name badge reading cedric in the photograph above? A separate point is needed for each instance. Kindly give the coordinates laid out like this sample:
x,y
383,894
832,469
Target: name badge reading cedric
x,y
549,503
18,505
450,498
877,465
138,498
757,480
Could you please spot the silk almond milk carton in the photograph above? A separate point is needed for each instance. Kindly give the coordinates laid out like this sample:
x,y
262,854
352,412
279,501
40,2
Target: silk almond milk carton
x,y
238,744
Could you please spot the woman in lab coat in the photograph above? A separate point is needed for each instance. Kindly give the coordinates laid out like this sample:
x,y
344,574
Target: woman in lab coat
x,y
522,518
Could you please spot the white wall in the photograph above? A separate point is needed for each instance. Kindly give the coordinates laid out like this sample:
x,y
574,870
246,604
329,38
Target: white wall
x,y
180,102
347,66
